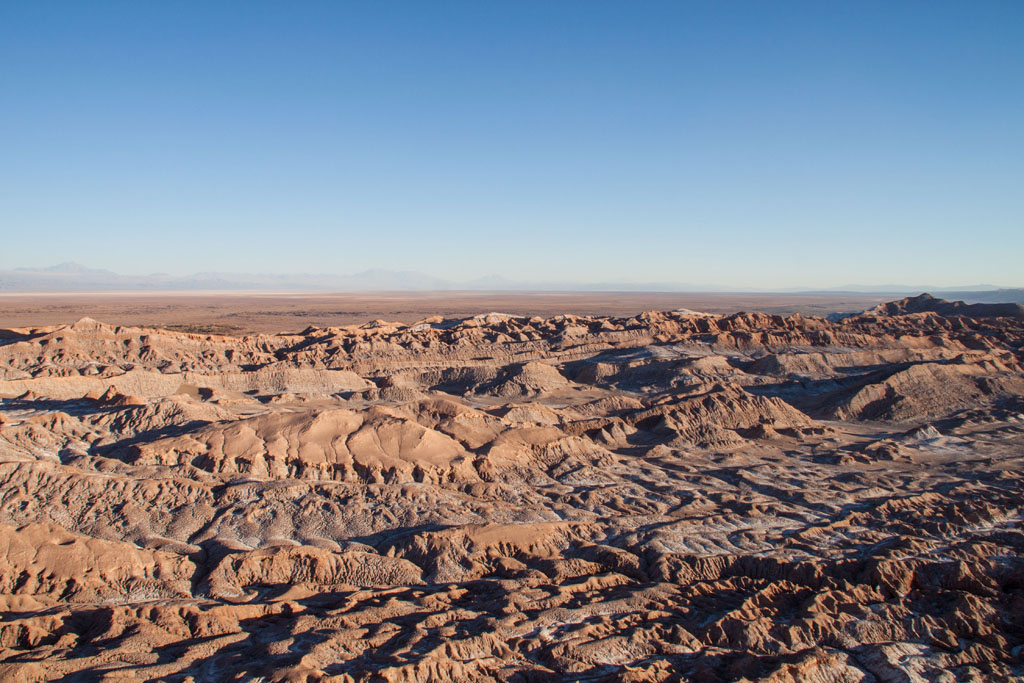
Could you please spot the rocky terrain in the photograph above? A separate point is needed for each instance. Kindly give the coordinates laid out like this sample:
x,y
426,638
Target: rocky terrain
x,y
926,303
669,496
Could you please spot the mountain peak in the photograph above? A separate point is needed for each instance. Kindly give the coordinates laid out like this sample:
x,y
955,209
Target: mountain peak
x,y
926,303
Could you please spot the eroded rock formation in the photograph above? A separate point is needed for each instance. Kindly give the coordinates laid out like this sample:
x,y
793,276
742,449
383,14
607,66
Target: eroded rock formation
x,y
672,496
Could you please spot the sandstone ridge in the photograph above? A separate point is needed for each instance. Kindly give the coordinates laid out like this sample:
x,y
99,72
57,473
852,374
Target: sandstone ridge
x,y
661,497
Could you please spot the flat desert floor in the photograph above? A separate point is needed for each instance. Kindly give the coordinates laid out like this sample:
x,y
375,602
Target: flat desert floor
x,y
410,488
244,312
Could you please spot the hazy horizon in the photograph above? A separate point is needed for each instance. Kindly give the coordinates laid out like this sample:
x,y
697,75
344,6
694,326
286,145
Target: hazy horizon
x,y
73,276
759,147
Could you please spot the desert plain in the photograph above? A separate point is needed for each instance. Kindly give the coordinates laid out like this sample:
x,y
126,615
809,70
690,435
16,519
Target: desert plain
x,y
446,488
241,312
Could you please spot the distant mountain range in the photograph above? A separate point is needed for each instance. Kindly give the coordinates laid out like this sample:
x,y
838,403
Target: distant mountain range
x,y
75,277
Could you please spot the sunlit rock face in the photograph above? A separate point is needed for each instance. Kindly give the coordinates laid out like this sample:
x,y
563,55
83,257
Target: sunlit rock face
x,y
671,496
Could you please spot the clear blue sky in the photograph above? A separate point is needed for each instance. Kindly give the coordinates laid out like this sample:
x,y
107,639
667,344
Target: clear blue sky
x,y
760,144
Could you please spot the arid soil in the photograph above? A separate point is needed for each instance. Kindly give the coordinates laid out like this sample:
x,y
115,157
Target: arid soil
x,y
658,497
269,312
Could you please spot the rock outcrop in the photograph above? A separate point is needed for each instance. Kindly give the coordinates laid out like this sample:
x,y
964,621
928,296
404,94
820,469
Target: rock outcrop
x,y
664,497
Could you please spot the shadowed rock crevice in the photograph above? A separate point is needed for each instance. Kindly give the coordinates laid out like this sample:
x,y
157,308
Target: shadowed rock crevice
x,y
668,496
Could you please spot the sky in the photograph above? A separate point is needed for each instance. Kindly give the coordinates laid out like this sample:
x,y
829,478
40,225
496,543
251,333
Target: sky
x,y
746,144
